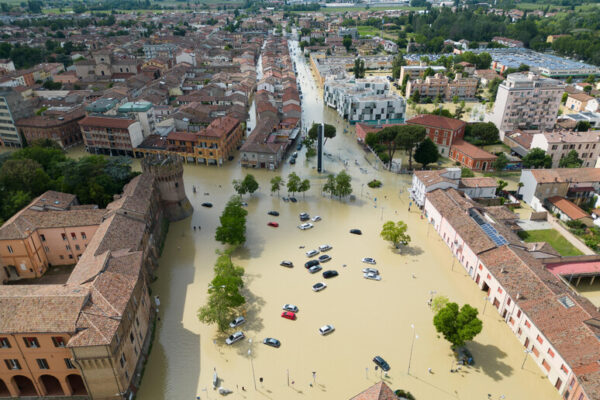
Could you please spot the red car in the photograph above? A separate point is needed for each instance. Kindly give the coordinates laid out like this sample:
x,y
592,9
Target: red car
x,y
288,315
273,224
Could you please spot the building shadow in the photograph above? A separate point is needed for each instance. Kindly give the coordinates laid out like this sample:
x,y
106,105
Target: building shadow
x,y
488,359
408,250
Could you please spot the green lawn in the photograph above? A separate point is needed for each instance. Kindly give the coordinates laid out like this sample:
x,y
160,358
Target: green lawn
x,y
553,238
364,30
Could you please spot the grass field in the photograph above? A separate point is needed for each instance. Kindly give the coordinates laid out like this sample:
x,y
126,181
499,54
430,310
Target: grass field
x,y
553,238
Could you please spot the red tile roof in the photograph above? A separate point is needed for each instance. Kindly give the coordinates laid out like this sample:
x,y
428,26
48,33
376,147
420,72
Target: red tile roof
x,y
106,122
379,391
569,208
473,152
437,121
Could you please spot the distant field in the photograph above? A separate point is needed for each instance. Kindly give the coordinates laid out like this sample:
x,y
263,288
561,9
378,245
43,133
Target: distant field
x,y
555,239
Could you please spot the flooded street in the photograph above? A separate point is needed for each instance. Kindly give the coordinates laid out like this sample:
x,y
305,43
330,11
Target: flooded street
x,y
370,318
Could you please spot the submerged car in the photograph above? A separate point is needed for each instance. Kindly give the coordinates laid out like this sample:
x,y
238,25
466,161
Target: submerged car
x,y
312,253
326,329
272,342
325,247
317,287
274,213
315,268
207,205
311,263
290,307
286,263
235,337
369,260
356,231
288,315
381,363
273,224
304,216
316,218
237,322
324,258
330,274
371,271
305,226
372,276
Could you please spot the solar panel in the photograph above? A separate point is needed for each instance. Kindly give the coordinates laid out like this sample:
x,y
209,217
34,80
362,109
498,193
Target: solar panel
x,y
493,234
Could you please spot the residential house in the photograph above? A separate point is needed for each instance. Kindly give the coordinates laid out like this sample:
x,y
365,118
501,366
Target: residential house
x,y
471,156
558,144
443,131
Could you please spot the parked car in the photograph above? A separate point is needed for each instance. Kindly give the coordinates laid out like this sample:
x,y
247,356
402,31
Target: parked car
x,y
312,253
295,154
371,270
272,342
463,355
290,307
324,258
315,268
372,276
381,363
330,274
305,226
292,161
317,287
288,315
286,263
326,329
237,322
316,218
244,204
324,247
304,216
273,224
207,205
235,337
369,260
274,213
293,199
299,146
311,263
356,231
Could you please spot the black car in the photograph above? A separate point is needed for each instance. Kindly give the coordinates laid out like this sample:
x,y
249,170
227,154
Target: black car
x,y
293,200
207,205
330,274
273,213
356,231
381,363
292,161
272,342
299,146
304,216
310,263
286,263
324,258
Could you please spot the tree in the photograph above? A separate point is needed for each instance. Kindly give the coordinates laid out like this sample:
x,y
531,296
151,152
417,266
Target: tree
x,y
564,97
329,186
304,186
239,187
250,183
343,184
438,303
224,297
359,68
233,223
293,183
276,184
426,153
347,42
456,325
482,133
519,186
493,88
571,160
330,132
501,185
397,65
501,162
466,173
537,158
415,96
386,139
395,232
583,126
408,137
460,110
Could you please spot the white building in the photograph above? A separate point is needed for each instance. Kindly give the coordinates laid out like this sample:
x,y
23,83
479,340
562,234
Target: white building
x,y
417,71
143,112
364,100
559,144
526,101
424,182
186,56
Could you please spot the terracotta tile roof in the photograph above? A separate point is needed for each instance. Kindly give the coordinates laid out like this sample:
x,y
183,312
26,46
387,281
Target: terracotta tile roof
x,y
432,177
106,122
573,175
379,391
220,127
569,208
183,136
436,121
54,200
478,182
472,151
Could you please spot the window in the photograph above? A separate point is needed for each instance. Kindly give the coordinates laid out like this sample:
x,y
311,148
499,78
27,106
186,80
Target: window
x,y
61,257
12,363
511,320
535,351
564,369
31,342
77,247
64,237
137,321
71,256
558,384
73,236
539,339
122,360
42,363
69,363
131,337
4,343
43,238
500,290
572,383
527,324
10,249
58,341
519,314
83,235
551,353
508,302
545,365
47,249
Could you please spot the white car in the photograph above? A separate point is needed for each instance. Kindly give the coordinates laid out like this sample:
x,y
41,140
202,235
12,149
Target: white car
x,y
312,253
290,307
235,337
371,270
372,276
325,247
369,260
326,329
316,218
315,268
317,287
305,226
237,322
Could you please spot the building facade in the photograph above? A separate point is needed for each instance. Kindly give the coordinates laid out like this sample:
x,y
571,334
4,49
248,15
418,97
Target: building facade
x,y
471,156
12,108
558,144
442,87
61,127
443,131
412,72
111,135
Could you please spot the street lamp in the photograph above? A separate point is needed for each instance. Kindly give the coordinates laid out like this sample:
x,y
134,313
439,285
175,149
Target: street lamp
x,y
252,365
415,336
485,300
527,351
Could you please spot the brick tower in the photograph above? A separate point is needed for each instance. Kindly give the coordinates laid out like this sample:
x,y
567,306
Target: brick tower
x,y
168,173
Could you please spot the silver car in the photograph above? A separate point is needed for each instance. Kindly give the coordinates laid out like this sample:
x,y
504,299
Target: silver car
x,y
290,307
369,260
325,247
326,329
237,322
372,276
371,270
315,268
317,287
235,337
305,226
312,253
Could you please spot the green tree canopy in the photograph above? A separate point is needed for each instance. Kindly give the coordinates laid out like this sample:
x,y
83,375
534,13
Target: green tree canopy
x,y
330,132
276,184
501,162
343,184
537,158
457,326
397,65
347,42
395,232
482,133
304,186
233,223
250,183
426,153
293,183
571,160
408,137
359,68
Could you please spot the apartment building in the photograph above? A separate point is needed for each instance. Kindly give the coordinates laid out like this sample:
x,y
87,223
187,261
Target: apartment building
x,y
578,102
558,144
364,100
141,111
526,101
111,135
412,72
443,131
523,282
12,108
59,124
440,85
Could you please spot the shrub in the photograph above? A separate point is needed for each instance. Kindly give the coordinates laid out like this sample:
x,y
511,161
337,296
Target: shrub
x,y
404,394
374,183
